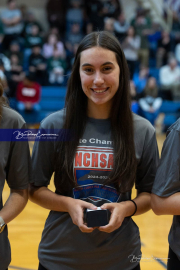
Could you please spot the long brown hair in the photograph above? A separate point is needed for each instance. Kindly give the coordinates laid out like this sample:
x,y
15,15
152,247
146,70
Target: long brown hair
x,y
124,170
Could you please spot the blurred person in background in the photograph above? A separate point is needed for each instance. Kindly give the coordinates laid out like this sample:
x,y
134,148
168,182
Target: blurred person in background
x,y
140,79
121,26
163,49
111,8
56,14
175,30
56,67
153,38
29,21
131,45
109,25
73,37
142,26
32,39
38,65
150,104
12,23
75,15
14,48
169,76
28,95
16,74
53,42
94,13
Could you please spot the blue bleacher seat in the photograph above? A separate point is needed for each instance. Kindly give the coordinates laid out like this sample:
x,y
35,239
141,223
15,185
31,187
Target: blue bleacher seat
x,y
52,99
171,109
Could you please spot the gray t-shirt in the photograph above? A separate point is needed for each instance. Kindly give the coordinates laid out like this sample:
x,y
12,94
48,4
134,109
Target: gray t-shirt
x,y
63,245
11,14
167,181
14,167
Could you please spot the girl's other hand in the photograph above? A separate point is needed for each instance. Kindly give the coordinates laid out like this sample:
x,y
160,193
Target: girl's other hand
x,y
76,211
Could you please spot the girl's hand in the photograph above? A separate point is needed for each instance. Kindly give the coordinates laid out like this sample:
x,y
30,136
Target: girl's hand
x,y
76,211
118,212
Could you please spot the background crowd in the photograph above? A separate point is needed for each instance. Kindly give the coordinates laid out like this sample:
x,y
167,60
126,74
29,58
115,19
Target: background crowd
x,y
31,57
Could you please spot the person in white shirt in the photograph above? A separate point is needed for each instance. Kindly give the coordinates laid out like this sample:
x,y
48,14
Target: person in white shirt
x,y
169,76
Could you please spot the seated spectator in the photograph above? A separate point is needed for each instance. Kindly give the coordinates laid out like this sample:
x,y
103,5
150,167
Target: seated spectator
x,y
163,49
30,21
109,25
16,75
11,18
111,8
170,80
15,49
131,45
94,12
56,12
175,30
150,104
52,43
74,15
121,27
70,57
142,26
31,40
73,37
56,68
28,95
140,79
34,37
37,65
153,39
134,98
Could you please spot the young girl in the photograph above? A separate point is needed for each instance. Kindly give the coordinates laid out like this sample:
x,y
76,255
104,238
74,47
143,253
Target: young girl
x,y
14,168
166,191
106,151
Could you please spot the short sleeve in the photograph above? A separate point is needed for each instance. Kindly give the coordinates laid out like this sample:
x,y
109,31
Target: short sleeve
x,y
146,169
43,155
18,169
42,162
167,181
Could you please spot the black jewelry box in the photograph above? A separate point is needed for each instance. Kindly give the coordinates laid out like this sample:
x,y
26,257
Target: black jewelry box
x,y
96,218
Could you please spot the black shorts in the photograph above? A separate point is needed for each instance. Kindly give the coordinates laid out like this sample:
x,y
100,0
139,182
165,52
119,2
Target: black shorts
x,y
173,261
43,268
